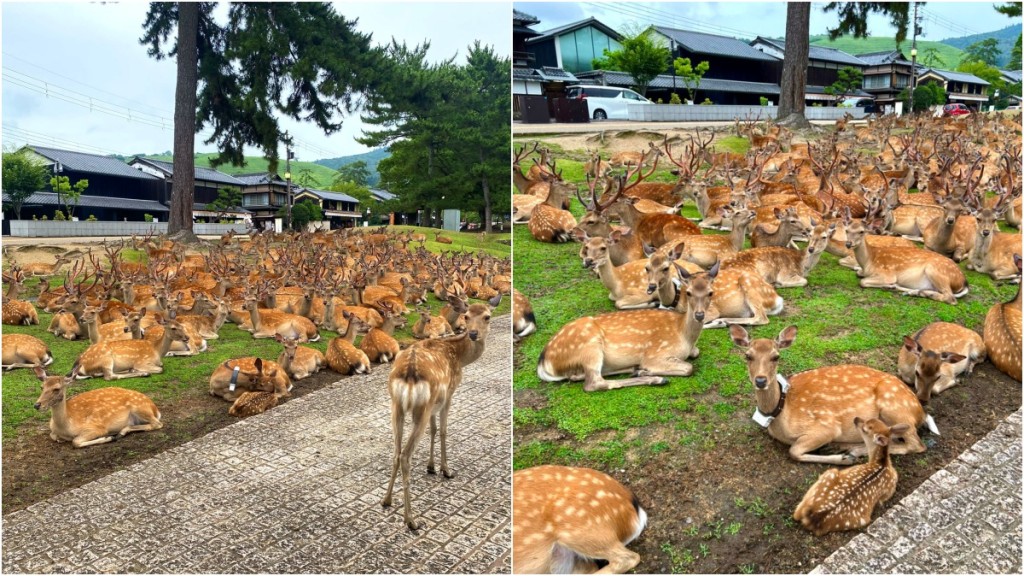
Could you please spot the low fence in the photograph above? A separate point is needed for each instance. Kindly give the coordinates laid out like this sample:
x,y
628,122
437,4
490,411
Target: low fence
x,y
694,113
44,229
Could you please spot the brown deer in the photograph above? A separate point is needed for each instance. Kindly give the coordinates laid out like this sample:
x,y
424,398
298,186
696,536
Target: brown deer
x,y
624,246
932,359
342,355
441,239
40,269
253,403
784,267
845,499
421,384
129,358
993,250
207,327
93,417
648,343
233,377
17,312
706,249
548,539
626,284
524,322
817,407
788,228
549,222
913,271
24,351
299,362
379,344
265,323
1002,333
953,233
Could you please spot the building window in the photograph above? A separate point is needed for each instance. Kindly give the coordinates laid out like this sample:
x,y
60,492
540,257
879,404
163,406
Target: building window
x,y
879,81
902,81
279,199
259,199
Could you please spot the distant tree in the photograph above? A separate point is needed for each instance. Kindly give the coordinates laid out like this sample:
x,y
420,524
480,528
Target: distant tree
x,y
1015,61
930,57
643,56
227,198
1011,9
691,75
303,213
848,81
988,73
361,193
297,59
66,193
925,96
305,178
986,51
356,172
21,178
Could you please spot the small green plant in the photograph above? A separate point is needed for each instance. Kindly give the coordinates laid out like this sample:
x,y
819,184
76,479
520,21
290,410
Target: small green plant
x,y
680,560
733,528
704,549
659,447
147,217
58,215
715,531
92,218
34,217
692,531
767,529
706,102
757,506
45,217
660,101
764,101
747,568
675,99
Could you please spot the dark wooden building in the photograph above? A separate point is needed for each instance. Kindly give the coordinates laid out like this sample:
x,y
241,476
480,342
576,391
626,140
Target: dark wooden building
x,y
823,65
886,75
960,87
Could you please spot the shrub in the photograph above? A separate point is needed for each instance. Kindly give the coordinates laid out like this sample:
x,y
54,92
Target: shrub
x,y
34,217
147,217
58,215
706,102
45,217
764,101
675,99
92,218
660,101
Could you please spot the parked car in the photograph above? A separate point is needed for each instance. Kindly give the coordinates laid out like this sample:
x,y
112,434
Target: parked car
x,y
955,110
606,102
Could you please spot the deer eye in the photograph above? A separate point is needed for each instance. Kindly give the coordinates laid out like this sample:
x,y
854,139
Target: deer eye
x,y
749,356
774,358
710,293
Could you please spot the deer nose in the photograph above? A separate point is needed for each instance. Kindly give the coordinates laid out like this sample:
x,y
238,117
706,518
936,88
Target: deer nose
x,y
651,288
36,405
950,220
761,382
810,249
588,263
849,244
986,232
473,334
699,315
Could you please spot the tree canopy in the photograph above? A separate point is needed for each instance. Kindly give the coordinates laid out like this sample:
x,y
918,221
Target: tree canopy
x,y
986,51
847,82
643,55
691,75
21,178
356,172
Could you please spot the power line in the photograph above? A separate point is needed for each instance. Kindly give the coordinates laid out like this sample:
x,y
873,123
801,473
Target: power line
x,y
642,11
11,133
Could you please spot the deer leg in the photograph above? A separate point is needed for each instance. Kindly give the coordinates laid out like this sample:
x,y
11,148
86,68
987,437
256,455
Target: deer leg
x,y
634,301
620,559
664,367
397,422
804,445
876,282
92,438
419,424
595,382
433,433
444,440
140,428
791,282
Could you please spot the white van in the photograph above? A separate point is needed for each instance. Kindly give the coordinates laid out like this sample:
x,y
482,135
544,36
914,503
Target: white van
x,y
606,102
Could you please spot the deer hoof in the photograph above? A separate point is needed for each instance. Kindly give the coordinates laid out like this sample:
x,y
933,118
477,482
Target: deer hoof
x,y
386,502
431,470
414,524
848,459
447,474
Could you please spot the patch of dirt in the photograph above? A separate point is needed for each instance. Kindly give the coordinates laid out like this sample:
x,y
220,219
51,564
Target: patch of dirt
x,y
35,467
531,399
727,507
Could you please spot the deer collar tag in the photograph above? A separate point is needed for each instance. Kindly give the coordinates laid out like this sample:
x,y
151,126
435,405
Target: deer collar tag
x,y
234,379
675,301
765,420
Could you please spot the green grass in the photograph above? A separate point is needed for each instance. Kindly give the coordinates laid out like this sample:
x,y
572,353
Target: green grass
x,y
838,322
495,243
321,175
949,54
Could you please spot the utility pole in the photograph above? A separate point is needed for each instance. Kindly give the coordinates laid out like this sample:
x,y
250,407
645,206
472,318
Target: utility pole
x,y
913,59
288,174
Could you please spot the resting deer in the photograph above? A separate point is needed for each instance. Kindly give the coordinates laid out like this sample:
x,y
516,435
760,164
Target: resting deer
x,y
931,360
706,249
253,403
421,384
817,407
549,222
342,355
845,499
299,362
524,322
17,312
953,233
914,271
784,267
93,417
24,351
379,344
430,327
993,250
268,323
626,284
233,377
207,327
40,269
1002,333
648,343
789,228
441,239
129,358
548,539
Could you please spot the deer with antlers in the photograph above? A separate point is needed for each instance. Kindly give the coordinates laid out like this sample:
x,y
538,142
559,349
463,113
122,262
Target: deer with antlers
x,y
421,384
17,312
649,343
129,358
1002,333
817,407
24,351
653,229
93,417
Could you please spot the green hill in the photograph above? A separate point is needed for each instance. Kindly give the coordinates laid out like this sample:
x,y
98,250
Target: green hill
x,y
320,176
950,55
1006,37
371,158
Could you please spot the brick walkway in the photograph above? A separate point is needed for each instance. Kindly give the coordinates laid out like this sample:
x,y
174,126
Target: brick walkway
x,y
297,489
965,518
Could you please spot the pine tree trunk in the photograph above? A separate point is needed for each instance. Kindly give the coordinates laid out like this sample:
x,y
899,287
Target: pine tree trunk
x,y
487,197
183,183
794,65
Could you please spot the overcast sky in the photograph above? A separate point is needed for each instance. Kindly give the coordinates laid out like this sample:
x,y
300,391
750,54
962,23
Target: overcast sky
x,y
90,53
940,20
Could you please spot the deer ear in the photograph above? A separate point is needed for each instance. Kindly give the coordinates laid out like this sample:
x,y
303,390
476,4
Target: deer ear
x,y
580,234
40,372
143,313
713,272
952,357
494,302
677,250
911,345
259,365
279,338
858,421
739,336
899,429
881,440
648,249
786,337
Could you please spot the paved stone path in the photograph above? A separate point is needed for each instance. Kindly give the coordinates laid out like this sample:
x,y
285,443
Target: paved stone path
x,y
297,490
965,518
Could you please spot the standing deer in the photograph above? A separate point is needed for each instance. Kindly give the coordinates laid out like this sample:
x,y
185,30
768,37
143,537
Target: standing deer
x,y
24,351
96,416
548,538
931,360
845,499
648,343
421,384
1002,333
817,407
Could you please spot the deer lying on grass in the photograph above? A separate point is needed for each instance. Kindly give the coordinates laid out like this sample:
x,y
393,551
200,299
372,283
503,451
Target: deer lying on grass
x,y
17,312
931,360
784,267
648,343
129,358
913,271
706,249
379,344
549,222
548,539
524,322
93,417
993,250
299,362
953,233
40,269
430,327
266,323
233,377
789,228
817,407
422,382
626,284
1002,333
845,499
623,246
342,355
207,327
24,351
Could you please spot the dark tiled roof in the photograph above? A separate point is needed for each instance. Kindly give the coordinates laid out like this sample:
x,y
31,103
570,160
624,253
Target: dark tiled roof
x,y
382,195
523,17
665,81
259,178
821,90
205,207
50,199
93,163
823,53
575,26
208,174
956,76
701,43
1014,75
884,57
545,74
326,195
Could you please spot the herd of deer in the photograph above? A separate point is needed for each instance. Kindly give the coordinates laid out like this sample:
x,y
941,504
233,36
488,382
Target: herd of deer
x,y
927,197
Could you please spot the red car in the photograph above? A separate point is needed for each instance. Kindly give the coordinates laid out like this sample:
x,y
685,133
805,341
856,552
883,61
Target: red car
x,y
955,110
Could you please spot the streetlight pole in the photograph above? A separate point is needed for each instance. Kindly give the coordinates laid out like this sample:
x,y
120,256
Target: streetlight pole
x,y
288,174
913,60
